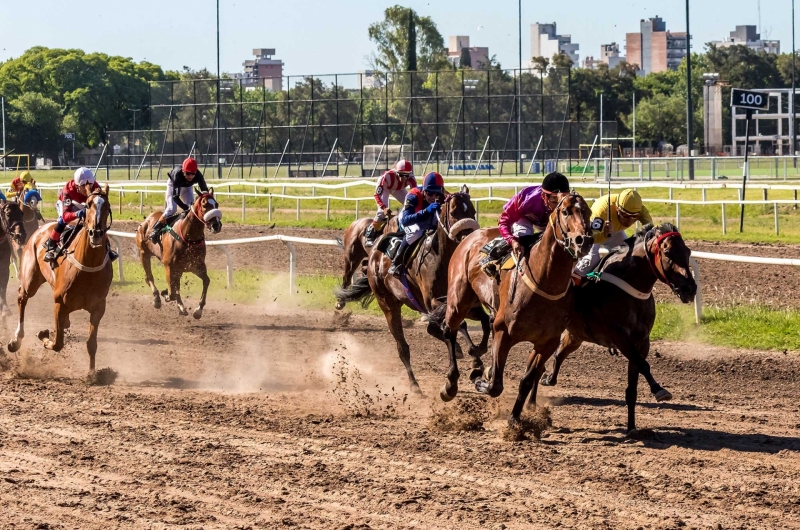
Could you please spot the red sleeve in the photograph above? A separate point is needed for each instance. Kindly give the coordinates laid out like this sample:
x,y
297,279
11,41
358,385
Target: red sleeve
x,y
379,191
68,216
508,217
412,182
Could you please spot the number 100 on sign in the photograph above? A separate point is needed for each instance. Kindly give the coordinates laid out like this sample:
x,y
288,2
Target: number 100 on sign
x,y
747,99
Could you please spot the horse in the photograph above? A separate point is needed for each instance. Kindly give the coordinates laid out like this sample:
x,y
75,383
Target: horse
x,y
182,249
13,235
356,250
529,304
80,281
30,211
425,283
618,311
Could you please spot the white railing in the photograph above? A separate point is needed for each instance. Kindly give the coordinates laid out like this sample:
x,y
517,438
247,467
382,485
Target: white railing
x,y
290,240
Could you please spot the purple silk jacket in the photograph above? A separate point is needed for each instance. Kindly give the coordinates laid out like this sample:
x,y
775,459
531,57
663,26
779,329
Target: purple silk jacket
x,y
528,204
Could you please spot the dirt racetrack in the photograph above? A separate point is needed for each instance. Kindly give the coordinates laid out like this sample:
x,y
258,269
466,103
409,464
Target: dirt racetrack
x,y
256,417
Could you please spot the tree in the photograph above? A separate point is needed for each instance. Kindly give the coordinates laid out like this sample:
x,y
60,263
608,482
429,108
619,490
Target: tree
x,y
34,125
466,59
391,36
661,118
411,48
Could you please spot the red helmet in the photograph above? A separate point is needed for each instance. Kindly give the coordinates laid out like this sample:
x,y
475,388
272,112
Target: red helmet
x,y
403,167
189,165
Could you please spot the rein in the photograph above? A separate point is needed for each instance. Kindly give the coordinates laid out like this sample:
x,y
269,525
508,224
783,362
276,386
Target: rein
x,y
179,235
566,241
655,259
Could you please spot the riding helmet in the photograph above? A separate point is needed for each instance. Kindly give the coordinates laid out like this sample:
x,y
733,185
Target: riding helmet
x,y
629,201
433,183
403,167
555,183
83,176
189,165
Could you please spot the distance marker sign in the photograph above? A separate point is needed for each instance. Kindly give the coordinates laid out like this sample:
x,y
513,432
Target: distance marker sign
x,y
748,99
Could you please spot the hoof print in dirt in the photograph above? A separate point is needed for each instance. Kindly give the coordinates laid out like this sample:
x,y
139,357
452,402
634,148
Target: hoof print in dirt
x,y
536,424
102,377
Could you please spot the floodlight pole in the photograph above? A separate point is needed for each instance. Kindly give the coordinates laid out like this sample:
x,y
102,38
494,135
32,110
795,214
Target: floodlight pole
x,y
3,104
689,113
219,84
520,165
794,111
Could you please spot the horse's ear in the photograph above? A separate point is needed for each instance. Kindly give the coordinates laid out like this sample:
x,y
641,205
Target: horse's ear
x,y
211,191
464,189
197,191
105,189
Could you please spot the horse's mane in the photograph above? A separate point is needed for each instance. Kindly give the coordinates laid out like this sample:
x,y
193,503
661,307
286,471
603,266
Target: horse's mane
x,y
641,234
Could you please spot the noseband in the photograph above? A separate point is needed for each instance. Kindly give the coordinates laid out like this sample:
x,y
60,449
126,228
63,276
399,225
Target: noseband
x,y
655,260
565,241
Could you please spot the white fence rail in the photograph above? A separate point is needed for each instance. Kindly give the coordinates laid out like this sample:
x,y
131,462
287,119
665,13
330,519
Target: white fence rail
x,y
289,241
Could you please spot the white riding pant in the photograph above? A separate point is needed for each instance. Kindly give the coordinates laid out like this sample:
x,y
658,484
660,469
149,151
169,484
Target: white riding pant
x,y
413,233
400,195
170,206
523,227
588,262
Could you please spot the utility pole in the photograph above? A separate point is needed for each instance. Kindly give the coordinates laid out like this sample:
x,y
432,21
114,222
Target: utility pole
x,y
689,113
219,87
3,104
520,165
794,111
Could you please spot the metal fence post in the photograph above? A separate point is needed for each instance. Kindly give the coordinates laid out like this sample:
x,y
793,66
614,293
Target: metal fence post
x,y
698,297
777,222
641,170
119,261
269,208
724,221
228,264
141,203
704,194
243,208
649,169
328,210
298,209
678,216
292,265
357,210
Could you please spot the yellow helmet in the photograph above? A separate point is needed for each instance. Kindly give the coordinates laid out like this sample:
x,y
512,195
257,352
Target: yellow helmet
x,y
629,201
26,177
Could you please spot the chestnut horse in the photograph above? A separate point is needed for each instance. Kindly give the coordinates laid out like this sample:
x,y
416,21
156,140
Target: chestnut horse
x,y
426,278
13,235
621,315
181,249
80,281
530,304
356,249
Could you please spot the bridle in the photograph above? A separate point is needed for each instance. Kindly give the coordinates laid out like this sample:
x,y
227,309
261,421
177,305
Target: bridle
x,y
7,228
196,205
565,240
104,231
199,217
655,259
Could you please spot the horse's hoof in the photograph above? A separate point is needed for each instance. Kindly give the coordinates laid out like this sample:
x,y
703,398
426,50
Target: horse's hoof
x,y
197,313
165,294
183,312
663,395
476,374
482,386
44,334
445,395
157,302
340,305
13,345
416,390
548,380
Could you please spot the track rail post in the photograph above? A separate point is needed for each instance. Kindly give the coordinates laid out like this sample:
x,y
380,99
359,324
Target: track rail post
x,y
698,297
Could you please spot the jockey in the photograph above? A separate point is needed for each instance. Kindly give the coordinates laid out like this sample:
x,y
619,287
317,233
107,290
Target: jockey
x,y
22,184
626,208
528,211
394,183
179,193
420,213
71,205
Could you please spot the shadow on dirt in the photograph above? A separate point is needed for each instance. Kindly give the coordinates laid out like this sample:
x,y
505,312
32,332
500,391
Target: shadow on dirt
x,y
608,402
710,440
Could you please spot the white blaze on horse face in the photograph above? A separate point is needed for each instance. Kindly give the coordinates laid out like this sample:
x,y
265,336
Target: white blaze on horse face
x,y
98,202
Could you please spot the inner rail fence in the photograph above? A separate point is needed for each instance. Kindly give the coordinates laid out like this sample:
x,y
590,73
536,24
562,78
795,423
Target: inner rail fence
x,y
290,241
143,189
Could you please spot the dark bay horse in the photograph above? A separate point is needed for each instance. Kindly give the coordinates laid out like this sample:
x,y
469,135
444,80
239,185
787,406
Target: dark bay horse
x,y
12,239
531,303
426,277
80,281
621,315
181,249
356,250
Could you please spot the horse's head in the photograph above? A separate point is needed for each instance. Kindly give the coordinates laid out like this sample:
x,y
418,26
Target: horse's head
x,y
572,225
207,210
13,222
98,216
670,258
458,215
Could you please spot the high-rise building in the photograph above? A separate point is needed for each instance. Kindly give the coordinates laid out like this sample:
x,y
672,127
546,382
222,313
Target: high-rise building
x,y
479,56
747,36
545,42
654,48
609,54
262,71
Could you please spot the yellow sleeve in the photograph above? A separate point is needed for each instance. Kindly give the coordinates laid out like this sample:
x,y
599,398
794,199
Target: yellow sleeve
x,y
600,211
644,217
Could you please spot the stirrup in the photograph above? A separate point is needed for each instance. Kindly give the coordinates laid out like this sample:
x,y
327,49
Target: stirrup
x,y
112,256
397,270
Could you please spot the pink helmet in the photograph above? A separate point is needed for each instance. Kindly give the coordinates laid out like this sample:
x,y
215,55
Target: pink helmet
x,y
403,167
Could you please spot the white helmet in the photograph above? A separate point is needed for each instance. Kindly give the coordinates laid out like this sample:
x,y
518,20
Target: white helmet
x,y
83,175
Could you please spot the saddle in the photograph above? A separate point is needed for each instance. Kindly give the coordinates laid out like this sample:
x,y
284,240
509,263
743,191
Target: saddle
x,y
390,244
497,255
169,222
69,234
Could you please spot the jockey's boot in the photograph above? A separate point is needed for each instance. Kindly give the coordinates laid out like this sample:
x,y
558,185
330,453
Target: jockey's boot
x,y
51,246
370,235
155,233
112,256
398,263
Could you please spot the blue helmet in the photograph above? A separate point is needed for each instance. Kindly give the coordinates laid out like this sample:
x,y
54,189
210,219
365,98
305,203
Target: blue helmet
x,y
433,183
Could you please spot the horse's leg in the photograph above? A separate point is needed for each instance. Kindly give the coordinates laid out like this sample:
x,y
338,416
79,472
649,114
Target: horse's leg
x,y
500,347
568,345
145,256
61,317
393,318
5,262
530,381
476,352
637,354
94,323
202,273
174,280
25,292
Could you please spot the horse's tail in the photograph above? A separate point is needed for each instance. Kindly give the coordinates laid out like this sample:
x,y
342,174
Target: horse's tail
x,y
359,290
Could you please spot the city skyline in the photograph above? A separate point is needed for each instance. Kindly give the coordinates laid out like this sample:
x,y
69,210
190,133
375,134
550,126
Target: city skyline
x,y
186,35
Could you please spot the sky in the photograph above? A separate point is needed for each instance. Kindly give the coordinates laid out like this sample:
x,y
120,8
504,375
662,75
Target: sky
x,y
331,37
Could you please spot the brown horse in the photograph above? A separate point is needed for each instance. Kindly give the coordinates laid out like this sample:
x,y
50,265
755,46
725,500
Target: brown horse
x,y
12,239
181,249
530,304
620,316
356,250
426,278
80,281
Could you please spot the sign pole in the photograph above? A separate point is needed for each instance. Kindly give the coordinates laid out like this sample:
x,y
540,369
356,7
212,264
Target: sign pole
x,y
746,169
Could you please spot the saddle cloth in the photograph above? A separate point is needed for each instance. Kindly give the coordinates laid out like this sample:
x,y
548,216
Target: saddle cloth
x,y
390,243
